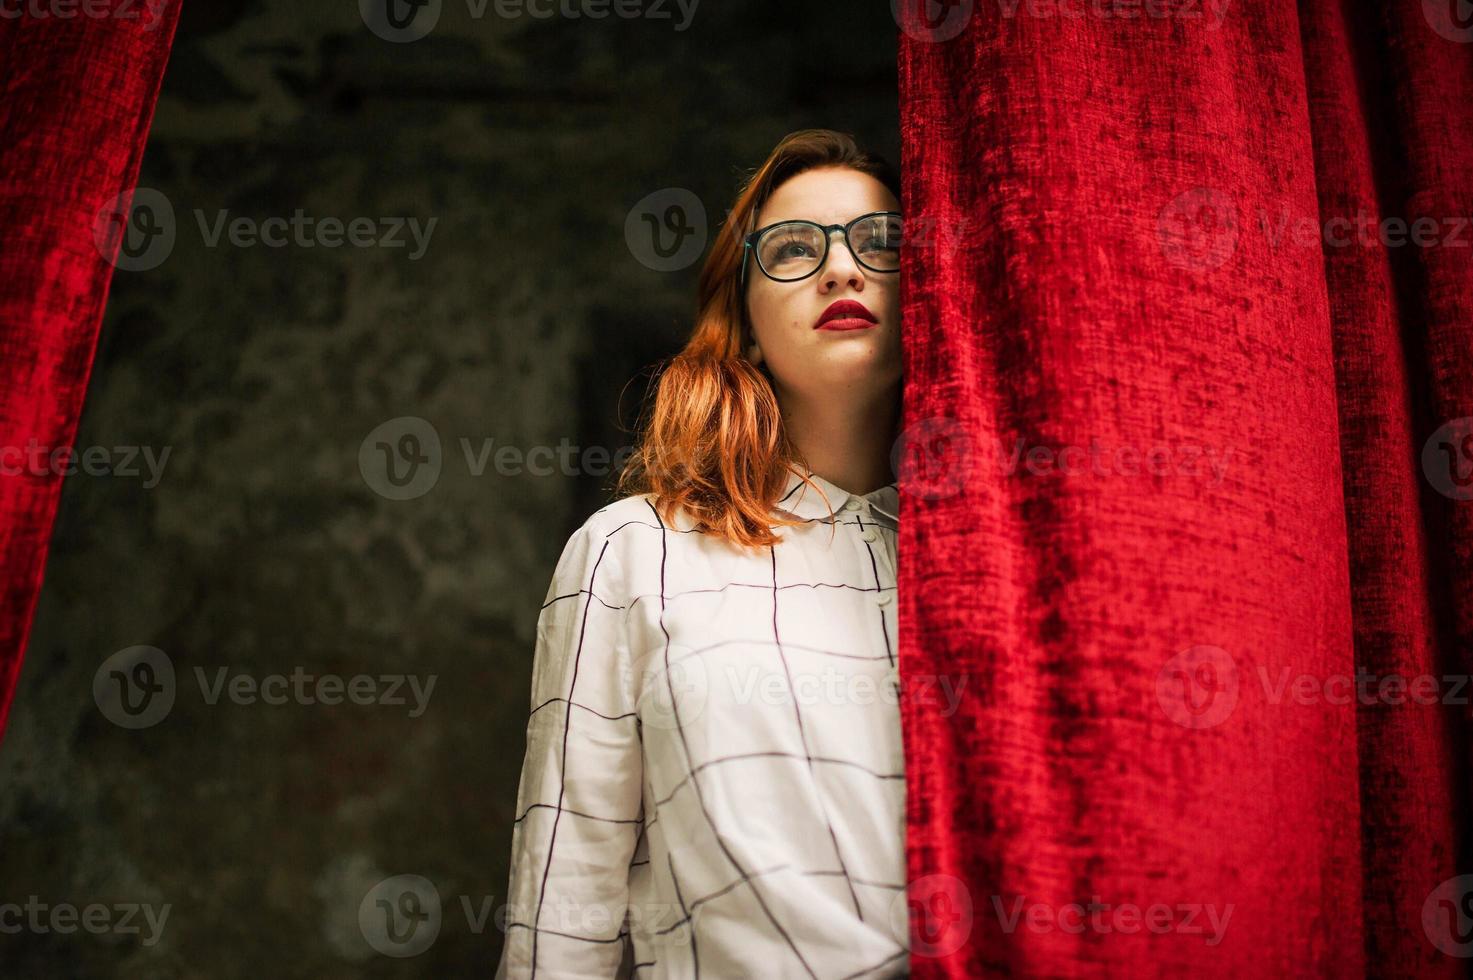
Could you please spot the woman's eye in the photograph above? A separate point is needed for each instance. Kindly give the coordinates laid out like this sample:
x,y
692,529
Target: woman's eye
x,y
793,250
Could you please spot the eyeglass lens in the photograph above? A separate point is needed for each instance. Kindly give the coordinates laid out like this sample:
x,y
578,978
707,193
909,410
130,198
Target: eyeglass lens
x,y
795,249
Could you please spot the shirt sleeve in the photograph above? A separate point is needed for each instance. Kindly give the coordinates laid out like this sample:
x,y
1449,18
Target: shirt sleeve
x,y
579,808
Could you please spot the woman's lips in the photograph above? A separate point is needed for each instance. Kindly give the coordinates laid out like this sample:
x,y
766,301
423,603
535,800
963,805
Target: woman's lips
x,y
846,314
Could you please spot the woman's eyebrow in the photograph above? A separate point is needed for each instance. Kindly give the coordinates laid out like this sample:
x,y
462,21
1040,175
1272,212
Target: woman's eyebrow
x,y
835,221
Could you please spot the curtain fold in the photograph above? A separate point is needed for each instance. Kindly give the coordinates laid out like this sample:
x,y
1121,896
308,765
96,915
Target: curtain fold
x,y
78,84
1188,486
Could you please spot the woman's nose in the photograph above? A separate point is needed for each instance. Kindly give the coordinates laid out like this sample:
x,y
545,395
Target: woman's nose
x,y
841,266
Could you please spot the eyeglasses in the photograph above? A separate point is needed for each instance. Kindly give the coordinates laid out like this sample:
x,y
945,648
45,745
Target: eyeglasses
x,y
793,250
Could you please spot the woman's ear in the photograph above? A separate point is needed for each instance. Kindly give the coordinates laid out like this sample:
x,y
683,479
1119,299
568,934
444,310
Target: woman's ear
x,y
753,349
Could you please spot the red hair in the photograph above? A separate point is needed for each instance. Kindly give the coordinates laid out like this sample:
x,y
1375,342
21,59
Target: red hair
x,y
713,441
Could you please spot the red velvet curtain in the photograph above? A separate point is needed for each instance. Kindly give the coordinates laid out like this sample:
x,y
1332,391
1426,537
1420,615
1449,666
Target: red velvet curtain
x,y
1187,486
78,83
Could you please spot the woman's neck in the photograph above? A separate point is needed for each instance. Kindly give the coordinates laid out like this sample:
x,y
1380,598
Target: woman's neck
x,y
847,444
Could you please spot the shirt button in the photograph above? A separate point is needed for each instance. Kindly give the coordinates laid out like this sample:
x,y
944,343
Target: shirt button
x,y
852,504
871,535
883,598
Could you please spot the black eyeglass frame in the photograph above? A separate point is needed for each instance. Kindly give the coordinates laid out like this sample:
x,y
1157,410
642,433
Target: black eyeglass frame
x,y
749,244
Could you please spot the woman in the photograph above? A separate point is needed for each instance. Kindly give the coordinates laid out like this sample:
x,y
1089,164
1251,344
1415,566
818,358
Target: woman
x,y
714,775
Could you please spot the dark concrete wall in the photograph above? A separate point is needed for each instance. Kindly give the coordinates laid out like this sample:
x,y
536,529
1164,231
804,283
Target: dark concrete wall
x,y
269,544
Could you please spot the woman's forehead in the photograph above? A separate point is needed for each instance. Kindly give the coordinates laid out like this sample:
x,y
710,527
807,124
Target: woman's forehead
x,y
828,196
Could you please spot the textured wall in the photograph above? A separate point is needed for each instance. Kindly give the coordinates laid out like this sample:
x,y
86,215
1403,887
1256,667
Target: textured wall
x,y
267,542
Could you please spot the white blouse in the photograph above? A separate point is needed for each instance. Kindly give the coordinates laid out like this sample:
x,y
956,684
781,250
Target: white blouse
x,y
714,770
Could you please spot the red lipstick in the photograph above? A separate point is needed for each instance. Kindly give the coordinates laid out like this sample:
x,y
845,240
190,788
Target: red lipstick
x,y
846,314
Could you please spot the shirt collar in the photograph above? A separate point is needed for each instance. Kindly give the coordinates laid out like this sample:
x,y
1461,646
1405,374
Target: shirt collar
x,y
801,500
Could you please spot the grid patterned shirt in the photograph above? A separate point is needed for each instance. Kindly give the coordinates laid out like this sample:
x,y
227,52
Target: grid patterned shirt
x,y
714,773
